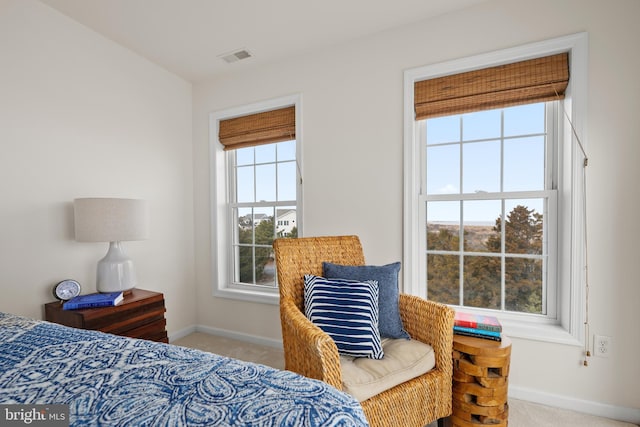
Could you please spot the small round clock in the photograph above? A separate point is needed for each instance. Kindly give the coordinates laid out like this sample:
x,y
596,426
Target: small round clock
x,y
66,290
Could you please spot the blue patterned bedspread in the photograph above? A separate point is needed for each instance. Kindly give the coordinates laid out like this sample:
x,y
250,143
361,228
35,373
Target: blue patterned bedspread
x,y
117,381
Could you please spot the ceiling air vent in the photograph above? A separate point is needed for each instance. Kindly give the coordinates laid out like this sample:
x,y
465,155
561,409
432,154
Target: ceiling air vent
x,y
235,56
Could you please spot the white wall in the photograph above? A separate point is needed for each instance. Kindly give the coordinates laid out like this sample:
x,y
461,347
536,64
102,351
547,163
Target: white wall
x,y
81,116
352,167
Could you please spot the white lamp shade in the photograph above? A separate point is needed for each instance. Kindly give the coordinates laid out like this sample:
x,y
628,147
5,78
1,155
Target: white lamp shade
x,y
110,220
113,221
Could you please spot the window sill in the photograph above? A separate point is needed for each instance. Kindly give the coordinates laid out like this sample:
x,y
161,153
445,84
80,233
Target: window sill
x,y
248,295
538,332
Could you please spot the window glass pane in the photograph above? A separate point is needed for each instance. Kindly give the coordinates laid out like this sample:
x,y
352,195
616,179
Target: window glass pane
x,y
482,282
245,225
287,222
265,153
246,264
443,129
524,164
443,274
266,183
524,119
443,226
256,227
265,232
524,226
254,251
244,184
481,170
523,285
267,264
252,258
482,225
286,150
481,125
263,218
287,181
443,169
244,156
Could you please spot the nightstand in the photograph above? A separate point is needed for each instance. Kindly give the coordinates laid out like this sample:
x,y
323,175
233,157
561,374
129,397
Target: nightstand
x,y
140,315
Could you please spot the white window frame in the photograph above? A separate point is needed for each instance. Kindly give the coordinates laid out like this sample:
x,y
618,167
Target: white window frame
x,y
222,267
567,326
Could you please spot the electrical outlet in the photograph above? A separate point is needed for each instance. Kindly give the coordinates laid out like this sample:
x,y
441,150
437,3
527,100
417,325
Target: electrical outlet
x,y
601,345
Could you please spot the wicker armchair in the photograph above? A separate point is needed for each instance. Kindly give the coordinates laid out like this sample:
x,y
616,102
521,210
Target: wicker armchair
x,y
312,353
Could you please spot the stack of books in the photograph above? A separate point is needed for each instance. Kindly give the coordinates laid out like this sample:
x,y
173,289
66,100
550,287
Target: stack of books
x,y
477,325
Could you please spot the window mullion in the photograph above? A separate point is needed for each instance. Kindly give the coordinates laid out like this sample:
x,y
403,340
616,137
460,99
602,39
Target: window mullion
x,y
263,204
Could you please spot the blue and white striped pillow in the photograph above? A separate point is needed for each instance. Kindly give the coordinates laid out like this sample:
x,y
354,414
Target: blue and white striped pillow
x,y
347,311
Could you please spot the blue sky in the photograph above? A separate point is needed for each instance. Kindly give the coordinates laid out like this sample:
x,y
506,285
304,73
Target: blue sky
x,y
479,160
265,172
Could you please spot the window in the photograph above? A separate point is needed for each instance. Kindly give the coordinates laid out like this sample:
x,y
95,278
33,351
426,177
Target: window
x,y
263,189
256,183
493,189
490,196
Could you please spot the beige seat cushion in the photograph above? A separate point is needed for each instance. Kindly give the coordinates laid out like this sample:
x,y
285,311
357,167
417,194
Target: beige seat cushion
x,y
403,360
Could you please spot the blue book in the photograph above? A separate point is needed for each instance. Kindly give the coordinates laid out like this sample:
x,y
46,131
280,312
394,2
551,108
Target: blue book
x,y
476,331
93,300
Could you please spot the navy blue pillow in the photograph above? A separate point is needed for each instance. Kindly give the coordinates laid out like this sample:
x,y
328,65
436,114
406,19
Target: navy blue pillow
x,y
390,323
347,311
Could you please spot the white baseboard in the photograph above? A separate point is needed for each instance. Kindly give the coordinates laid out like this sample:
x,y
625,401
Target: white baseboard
x,y
181,333
620,413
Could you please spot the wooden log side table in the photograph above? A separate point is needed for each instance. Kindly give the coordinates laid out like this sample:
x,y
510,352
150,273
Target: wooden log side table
x,y
480,381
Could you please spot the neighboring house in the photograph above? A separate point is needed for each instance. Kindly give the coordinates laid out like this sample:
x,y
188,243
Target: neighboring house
x,y
258,218
286,221
245,222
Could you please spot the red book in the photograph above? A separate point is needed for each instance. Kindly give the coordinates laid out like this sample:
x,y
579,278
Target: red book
x,y
477,321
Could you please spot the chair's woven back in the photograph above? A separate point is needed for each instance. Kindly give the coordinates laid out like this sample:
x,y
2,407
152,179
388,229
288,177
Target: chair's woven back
x,y
297,257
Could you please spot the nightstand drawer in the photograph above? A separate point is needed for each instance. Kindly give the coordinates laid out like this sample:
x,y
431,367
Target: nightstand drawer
x,y
118,323
154,331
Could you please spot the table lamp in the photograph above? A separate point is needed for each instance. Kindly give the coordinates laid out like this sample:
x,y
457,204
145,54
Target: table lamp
x,y
112,220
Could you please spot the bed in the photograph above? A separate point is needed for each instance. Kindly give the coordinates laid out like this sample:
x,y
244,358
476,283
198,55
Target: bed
x,y
117,381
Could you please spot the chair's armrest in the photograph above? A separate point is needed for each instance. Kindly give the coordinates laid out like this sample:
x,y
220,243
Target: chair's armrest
x,y
431,323
307,349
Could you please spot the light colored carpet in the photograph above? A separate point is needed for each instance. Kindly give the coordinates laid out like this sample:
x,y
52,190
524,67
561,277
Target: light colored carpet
x,y
521,413
527,414
242,350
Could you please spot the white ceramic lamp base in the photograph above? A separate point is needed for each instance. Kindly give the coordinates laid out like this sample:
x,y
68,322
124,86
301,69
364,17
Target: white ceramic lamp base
x,y
115,271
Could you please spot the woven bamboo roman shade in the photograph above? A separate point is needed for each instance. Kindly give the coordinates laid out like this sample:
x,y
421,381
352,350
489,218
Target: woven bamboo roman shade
x,y
260,128
525,82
